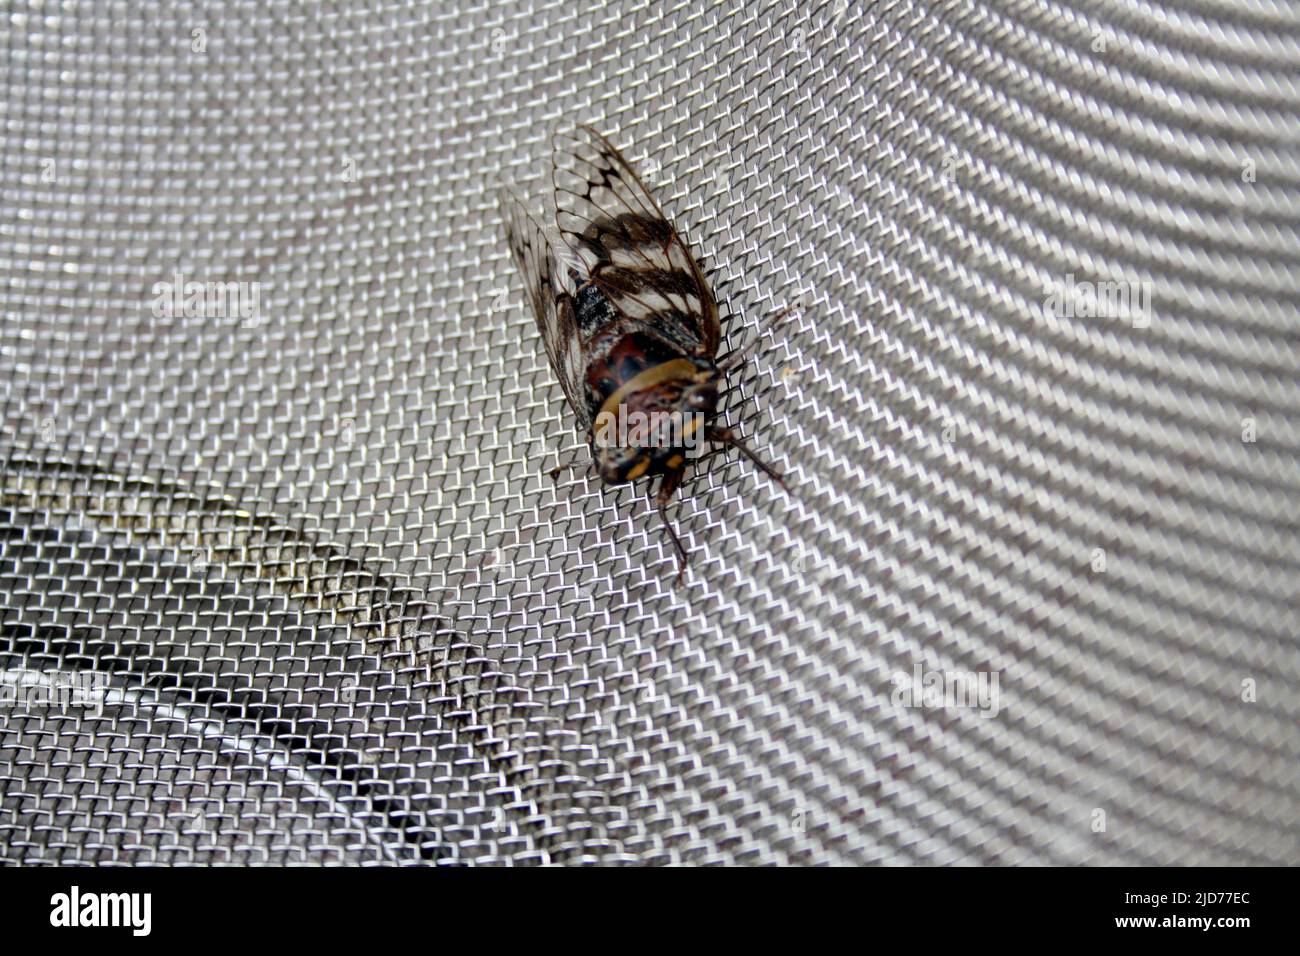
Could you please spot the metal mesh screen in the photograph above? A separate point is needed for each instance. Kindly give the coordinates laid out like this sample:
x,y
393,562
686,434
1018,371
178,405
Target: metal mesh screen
x,y
298,549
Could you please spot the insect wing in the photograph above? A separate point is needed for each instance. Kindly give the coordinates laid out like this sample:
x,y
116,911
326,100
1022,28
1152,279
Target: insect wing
x,y
552,304
608,218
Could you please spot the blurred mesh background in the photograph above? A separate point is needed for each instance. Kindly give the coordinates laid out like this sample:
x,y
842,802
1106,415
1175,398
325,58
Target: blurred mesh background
x,y
342,614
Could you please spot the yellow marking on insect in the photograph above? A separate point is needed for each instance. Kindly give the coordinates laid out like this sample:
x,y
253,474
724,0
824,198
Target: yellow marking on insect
x,y
647,378
638,469
675,461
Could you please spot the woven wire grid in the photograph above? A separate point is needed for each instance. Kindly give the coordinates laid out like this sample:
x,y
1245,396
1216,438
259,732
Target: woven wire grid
x,y
341,614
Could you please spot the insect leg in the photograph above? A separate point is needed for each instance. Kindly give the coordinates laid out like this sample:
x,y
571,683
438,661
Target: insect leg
x,y
566,465
736,358
667,485
725,436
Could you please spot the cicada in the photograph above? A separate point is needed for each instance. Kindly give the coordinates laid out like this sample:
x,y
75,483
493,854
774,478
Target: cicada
x,y
628,320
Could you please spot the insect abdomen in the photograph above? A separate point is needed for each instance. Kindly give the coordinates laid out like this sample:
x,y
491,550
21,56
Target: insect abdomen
x,y
593,311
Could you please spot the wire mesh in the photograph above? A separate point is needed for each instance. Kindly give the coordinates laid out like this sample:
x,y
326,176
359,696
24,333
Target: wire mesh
x,y
293,537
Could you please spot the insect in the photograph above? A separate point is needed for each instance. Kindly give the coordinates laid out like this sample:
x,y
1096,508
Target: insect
x,y
629,323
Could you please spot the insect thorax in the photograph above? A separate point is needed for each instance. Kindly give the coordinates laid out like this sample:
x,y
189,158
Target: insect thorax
x,y
652,409
618,348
